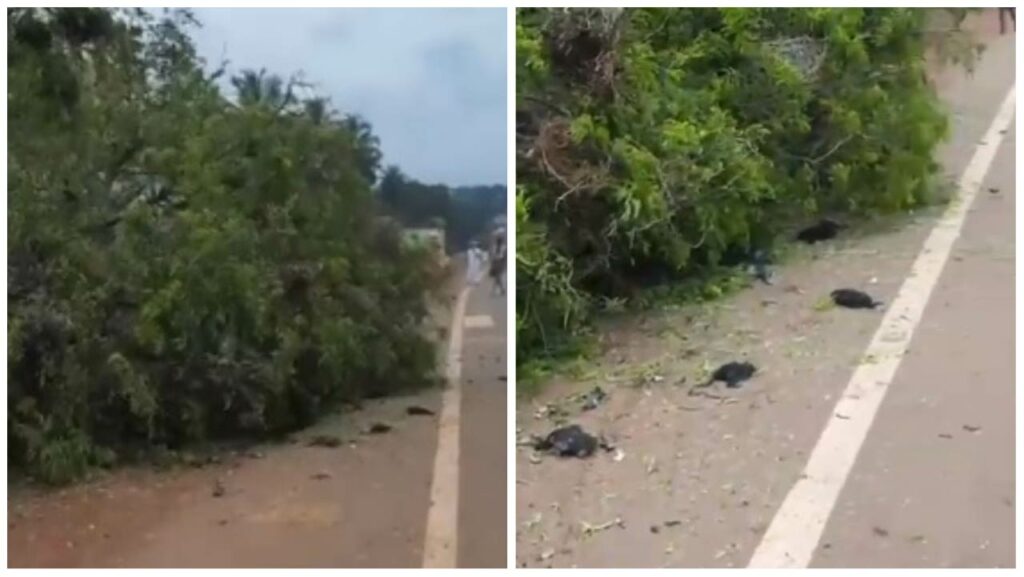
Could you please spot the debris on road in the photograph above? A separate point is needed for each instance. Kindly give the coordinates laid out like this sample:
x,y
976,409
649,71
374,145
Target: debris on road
x,y
594,398
378,428
732,374
880,532
218,488
589,530
853,299
328,441
552,412
320,476
972,428
417,410
534,521
570,441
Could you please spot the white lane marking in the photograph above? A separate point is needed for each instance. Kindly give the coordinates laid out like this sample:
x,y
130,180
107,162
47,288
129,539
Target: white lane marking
x,y
796,529
479,322
440,543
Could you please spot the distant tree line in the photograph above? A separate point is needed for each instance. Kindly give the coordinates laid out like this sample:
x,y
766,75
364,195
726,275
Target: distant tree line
x,y
464,212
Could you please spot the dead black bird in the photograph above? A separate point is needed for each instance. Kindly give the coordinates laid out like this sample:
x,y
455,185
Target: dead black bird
x,y
570,441
853,299
825,229
732,374
416,410
378,428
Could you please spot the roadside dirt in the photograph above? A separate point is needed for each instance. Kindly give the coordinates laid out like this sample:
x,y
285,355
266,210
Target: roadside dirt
x,y
362,504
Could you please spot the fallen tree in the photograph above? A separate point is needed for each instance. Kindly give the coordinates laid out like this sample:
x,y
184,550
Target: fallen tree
x,y
655,144
183,266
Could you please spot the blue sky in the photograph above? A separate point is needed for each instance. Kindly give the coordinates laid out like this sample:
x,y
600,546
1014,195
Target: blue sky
x,y
430,81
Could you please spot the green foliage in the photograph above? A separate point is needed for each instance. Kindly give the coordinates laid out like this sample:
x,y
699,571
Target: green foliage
x,y
182,267
548,306
654,145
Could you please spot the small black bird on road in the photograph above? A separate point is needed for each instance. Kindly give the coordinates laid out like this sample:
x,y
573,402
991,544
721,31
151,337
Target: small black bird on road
x,y
854,299
732,374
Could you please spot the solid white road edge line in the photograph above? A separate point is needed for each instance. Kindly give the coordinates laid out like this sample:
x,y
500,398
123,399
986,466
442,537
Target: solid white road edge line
x,y
440,542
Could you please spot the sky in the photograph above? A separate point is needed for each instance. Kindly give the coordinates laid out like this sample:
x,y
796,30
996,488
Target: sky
x,y
431,81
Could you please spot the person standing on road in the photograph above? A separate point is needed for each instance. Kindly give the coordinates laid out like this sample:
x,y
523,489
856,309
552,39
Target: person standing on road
x,y
1003,12
498,255
474,263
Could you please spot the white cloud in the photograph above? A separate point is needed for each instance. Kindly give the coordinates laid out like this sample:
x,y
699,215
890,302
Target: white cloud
x,y
431,81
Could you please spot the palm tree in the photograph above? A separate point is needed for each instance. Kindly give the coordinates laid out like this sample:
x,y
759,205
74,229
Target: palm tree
x,y
317,110
261,89
367,146
392,183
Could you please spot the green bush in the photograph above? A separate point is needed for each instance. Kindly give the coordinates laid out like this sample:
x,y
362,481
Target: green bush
x,y
182,267
654,144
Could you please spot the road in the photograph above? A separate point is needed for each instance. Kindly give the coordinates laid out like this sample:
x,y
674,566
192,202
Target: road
x,y
483,481
811,464
363,504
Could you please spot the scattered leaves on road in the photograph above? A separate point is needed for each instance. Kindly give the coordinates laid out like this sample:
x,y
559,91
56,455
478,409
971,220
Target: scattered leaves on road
x,y
590,529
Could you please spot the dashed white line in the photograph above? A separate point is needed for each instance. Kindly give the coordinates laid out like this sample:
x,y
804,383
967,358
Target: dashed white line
x,y
796,529
479,322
